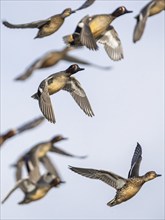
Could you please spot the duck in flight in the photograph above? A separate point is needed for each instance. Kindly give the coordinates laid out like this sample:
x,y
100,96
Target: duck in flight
x,y
126,187
50,25
62,81
152,8
98,28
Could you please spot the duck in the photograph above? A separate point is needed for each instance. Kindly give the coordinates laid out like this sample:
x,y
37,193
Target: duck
x,y
97,28
36,186
50,25
62,81
125,188
39,153
52,58
152,8
27,126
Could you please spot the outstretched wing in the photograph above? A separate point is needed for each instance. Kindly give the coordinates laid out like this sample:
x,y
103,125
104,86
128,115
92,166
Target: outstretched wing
x,y
135,163
32,165
19,168
86,4
49,165
45,102
62,152
32,124
109,178
112,44
80,61
141,21
19,183
36,65
35,24
86,36
73,86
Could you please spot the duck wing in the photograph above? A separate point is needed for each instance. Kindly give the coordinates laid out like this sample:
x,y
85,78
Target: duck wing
x,y
35,24
109,178
86,36
49,165
141,20
112,44
74,87
45,102
20,184
135,163
32,124
86,4
31,163
36,65
62,152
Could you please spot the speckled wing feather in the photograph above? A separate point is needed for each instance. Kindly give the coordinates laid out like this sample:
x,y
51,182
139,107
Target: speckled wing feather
x,y
45,102
109,178
73,86
135,163
112,44
141,21
35,24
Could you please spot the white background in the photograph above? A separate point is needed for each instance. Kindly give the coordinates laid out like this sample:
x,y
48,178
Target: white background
x,y
127,102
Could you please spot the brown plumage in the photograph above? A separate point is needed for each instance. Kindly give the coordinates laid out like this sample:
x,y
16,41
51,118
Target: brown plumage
x,y
50,25
97,28
125,188
152,8
29,125
61,81
52,58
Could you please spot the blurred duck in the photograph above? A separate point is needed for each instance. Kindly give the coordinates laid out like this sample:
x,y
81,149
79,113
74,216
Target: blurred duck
x,y
61,81
36,186
52,58
32,124
152,8
50,25
97,28
126,188
39,153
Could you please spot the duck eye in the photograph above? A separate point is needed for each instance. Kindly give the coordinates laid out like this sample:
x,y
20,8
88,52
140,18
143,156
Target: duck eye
x,y
122,9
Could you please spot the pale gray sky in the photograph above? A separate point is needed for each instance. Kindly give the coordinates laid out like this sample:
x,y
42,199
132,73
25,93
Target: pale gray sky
x,y
128,103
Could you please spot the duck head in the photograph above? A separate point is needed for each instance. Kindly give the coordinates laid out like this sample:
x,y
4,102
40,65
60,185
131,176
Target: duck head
x,y
120,11
151,175
73,69
67,12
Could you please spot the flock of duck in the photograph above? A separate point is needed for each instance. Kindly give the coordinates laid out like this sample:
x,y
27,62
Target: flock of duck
x,y
89,31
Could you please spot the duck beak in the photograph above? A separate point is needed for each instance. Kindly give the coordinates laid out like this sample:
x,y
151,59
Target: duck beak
x,y
62,181
159,175
72,12
64,138
80,69
127,11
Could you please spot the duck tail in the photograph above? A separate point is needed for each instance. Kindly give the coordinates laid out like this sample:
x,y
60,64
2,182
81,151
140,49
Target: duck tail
x,y
35,96
24,201
112,203
68,39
